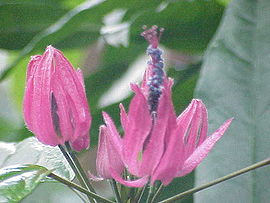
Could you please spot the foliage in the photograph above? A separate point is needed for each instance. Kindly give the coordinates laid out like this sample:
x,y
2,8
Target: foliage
x,y
235,81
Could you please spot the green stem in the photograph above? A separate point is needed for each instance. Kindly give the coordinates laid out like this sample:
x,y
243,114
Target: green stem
x,y
159,190
219,180
74,168
140,194
150,193
115,191
79,167
79,188
79,194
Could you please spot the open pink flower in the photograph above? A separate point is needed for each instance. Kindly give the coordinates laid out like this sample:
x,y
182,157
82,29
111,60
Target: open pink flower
x,y
157,144
55,105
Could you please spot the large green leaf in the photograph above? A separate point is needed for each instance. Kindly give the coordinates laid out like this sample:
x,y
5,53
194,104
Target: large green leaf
x,y
189,25
235,83
17,182
31,151
24,19
62,28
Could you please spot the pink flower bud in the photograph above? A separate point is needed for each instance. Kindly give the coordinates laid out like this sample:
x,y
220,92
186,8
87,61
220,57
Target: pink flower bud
x,y
55,105
109,150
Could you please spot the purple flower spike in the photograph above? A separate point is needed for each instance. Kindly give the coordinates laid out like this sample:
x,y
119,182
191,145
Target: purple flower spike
x,y
55,105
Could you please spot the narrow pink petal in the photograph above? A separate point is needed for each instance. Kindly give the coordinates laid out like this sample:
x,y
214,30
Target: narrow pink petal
x,y
204,125
191,121
172,159
187,111
102,161
80,76
63,110
173,155
130,183
201,152
74,92
123,117
146,75
108,154
28,96
139,126
32,66
42,125
164,124
194,130
114,135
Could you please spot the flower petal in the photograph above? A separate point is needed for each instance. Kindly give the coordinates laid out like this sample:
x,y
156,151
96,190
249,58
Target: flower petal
x,y
204,125
130,183
124,117
74,93
114,136
28,96
32,66
80,76
155,144
173,155
41,117
102,161
139,126
201,152
193,131
108,154
194,122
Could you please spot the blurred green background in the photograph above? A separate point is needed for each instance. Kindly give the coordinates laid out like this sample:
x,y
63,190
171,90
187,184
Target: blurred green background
x,y
103,39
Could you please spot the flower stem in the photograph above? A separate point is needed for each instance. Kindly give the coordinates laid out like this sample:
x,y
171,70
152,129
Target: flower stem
x,y
79,188
140,194
150,193
159,190
75,170
115,191
79,167
219,180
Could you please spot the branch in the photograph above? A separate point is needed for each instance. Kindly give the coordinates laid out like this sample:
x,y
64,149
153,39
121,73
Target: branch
x,y
219,180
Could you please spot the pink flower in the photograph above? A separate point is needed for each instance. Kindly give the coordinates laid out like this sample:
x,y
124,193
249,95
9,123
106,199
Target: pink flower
x,y
55,105
157,144
109,163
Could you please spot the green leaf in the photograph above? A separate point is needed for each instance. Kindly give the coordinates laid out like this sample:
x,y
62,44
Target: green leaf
x,y
24,19
189,27
31,151
224,2
16,182
235,83
56,32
